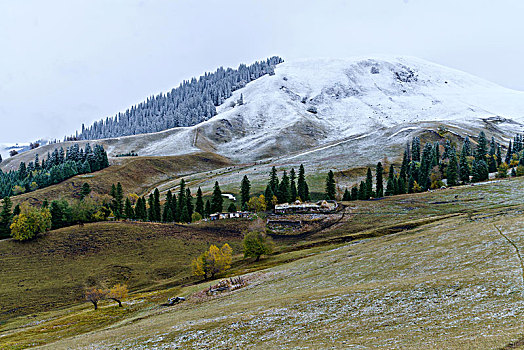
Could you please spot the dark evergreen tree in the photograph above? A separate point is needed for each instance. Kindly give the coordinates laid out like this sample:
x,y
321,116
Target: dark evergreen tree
x,y
184,215
405,165
464,171
415,149
482,147
182,202
479,171
199,205
509,153
347,195
85,191
268,194
301,184
499,156
208,208
331,186
452,174
467,147
273,181
293,185
354,193
245,187
284,190
60,214
189,202
167,212
426,166
128,210
5,218
151,207
156,206
216,200
379,188
369,184
362,191
232,208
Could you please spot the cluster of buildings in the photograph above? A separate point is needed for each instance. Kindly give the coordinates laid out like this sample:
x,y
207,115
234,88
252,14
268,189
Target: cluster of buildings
x,y
297,207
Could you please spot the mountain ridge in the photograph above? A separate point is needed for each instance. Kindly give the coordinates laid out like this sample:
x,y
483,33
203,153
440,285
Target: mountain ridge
x,y
309,103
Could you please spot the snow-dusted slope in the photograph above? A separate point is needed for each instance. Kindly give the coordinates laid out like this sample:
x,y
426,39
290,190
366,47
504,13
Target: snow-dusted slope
x,y
314,103
352,97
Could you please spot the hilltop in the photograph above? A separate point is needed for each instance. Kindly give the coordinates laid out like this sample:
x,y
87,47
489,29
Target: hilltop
x,y
308,105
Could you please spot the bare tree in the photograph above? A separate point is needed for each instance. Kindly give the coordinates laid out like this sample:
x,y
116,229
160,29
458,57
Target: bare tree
x,y
94,295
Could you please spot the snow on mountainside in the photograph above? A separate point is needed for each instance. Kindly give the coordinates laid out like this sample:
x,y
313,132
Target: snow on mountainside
x,y
316,101
313,103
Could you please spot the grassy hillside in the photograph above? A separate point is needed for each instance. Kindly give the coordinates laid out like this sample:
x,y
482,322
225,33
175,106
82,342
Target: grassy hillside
x,y
427,270
53,270
137,175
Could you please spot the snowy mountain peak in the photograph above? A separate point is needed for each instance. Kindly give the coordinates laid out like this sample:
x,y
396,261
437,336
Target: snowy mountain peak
x,y
313,103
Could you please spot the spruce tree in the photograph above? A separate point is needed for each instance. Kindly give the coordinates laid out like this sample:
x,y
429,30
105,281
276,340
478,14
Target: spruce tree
x,y
452,169
354,193
216,200
189,202
156,205
369,184
273,180
184,215
293,185
174,207
509,153
362,191
499,156
181,201
268,194
306,189
151,208
284,190
5,218
245,187
380,181
199,205
479,171
482,147
167,213
347,195
464,171
415,149
208,208
405,165
467,147
331,187
85,191
128,210
118,200
301,184
231,208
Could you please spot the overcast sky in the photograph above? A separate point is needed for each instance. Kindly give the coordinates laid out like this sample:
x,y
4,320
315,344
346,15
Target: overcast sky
x,y
64,63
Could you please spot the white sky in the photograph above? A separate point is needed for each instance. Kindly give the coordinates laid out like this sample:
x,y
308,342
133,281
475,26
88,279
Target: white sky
x,y
64,63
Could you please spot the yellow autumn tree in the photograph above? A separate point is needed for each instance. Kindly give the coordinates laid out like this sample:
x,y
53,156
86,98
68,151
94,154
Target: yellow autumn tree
x,y
117,293
212,261
30,222
257,204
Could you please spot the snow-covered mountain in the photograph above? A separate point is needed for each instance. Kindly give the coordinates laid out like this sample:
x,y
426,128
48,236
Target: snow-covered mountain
x,y
318,103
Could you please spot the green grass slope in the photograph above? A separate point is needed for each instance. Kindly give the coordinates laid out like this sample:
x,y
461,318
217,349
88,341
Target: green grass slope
x,y
416,271
53,270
